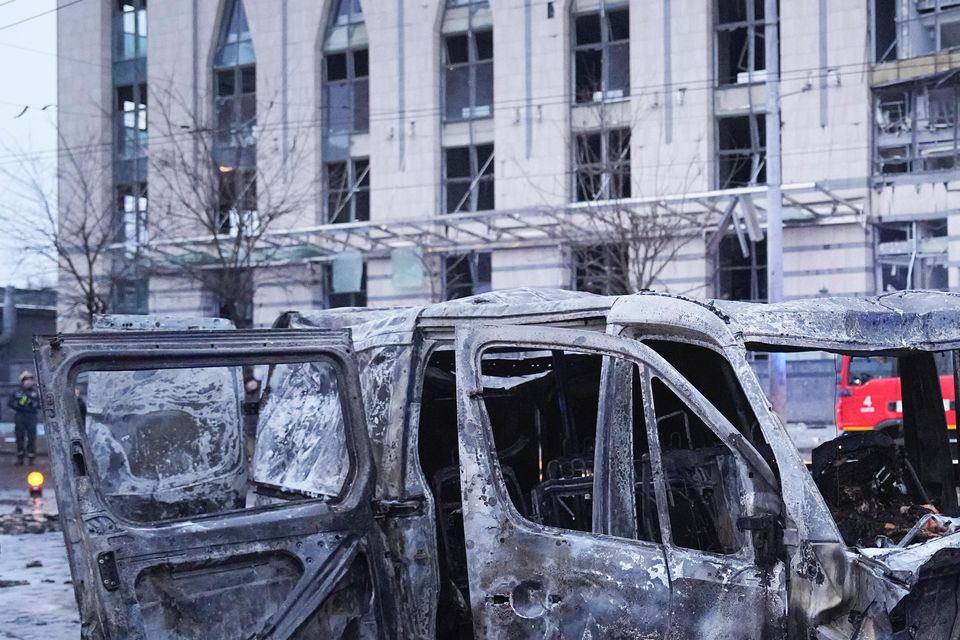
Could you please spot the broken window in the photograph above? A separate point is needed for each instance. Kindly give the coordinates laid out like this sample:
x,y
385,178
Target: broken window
x,y
916,127
344,295
601,54
237,201
346,91
131,121
740,42
347,187
602,165
130,225
910,28
885,30
468,75
130,296
741,150
468,178
602,269
739,276
345,73
167,444
235,92
912,255
129,29
467,274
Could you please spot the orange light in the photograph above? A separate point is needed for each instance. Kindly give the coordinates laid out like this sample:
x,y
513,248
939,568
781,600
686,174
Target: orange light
x,y
35,480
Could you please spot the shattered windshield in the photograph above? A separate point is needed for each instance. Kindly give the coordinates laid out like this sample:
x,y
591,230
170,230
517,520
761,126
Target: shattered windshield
x,y
174,443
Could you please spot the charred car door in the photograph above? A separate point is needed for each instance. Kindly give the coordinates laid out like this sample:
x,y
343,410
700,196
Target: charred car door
x,y
632,516
195,505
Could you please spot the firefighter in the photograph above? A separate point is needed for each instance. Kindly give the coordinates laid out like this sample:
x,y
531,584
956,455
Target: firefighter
x,y
25,403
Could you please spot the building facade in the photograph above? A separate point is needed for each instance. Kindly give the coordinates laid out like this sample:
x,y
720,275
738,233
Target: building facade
x,y
263,155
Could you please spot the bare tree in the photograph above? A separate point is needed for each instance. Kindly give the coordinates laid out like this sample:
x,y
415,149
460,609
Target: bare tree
x,y
619,242
70,226
219,205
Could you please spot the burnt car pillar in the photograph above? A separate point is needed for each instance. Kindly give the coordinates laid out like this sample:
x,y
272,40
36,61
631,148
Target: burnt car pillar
x,y
925,434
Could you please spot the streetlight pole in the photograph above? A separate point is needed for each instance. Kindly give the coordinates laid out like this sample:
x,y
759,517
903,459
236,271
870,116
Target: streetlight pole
x,y
777,362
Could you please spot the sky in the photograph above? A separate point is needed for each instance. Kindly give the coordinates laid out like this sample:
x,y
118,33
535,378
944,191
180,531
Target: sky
x,y
28,78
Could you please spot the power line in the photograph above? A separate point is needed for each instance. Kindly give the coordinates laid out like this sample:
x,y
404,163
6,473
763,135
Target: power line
x,y
37,15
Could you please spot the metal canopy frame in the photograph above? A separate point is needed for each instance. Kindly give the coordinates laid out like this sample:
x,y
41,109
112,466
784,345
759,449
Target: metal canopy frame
x,y
547,226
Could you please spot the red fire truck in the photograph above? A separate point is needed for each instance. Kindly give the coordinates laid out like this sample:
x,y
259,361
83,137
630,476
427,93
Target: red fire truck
x,y
868,393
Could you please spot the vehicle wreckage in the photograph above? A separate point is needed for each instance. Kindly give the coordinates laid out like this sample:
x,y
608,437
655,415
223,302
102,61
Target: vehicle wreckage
x,y
520,464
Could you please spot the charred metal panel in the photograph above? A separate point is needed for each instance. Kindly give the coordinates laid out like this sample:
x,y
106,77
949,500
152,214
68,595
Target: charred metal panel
x,y
925,429
270,570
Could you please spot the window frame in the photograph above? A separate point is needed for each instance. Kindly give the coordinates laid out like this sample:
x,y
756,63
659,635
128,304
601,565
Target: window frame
x,y
604,46
127,217
356,181
135,16
651,365
472,65
475,285
756,27
131,121
607,170
756,267
756,154
481,174
333,300
611,281
352,82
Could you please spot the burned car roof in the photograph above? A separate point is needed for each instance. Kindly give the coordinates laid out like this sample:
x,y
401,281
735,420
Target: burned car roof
x,y
920,320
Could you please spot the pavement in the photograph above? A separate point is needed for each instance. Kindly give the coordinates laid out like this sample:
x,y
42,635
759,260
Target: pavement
x,y
36,595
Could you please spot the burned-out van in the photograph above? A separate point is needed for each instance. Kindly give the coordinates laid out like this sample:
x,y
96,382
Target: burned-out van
x,y
524,464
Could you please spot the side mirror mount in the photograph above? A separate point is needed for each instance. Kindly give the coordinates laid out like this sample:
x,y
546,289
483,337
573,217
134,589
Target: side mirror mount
x,y
767,533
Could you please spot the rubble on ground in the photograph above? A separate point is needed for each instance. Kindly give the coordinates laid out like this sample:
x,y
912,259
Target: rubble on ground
x,y
19,522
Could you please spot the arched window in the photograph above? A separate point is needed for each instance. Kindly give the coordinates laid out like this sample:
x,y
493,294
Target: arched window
x,y
346,113
235,116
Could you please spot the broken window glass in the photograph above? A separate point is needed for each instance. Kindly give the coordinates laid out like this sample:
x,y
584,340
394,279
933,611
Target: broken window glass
x,y
602,165
170,443
885,30
739,276
346,96
740,42
912,255
601,56
741,151
916,126
602,269
467,274
468,178
347,187
468,75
